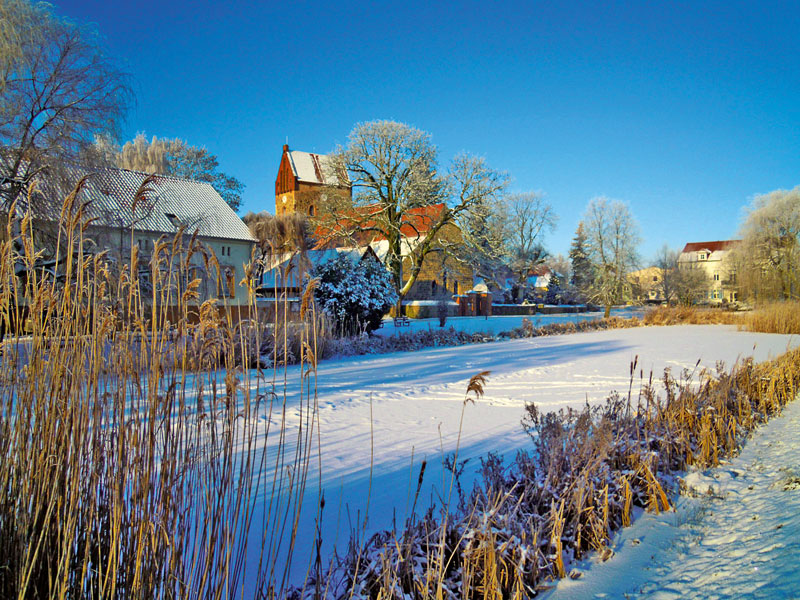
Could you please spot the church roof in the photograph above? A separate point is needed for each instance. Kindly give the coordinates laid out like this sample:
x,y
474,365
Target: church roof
x,y
312,168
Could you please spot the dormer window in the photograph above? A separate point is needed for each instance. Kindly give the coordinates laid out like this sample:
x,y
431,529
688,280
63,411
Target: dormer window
x,y
176,222
702,256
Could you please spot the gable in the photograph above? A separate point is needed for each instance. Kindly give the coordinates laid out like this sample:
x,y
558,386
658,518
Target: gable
x,y
287,179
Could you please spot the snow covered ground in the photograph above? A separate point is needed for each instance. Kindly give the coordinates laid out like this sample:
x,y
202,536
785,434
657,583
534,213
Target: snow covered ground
x,y
737,536
398,409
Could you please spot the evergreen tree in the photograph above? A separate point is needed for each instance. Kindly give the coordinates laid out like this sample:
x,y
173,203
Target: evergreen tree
x,y
582,273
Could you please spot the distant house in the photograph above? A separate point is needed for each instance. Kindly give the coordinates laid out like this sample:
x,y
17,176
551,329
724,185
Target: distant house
x,y
714,258
646,284
117,222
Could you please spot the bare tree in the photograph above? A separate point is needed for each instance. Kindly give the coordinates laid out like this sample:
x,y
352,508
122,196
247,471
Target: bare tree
x,y
59,90
690,283
667,263
393,171
528,218
768,258
612,239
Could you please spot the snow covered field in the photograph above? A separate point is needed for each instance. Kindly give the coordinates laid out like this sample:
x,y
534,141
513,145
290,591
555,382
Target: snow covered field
x,y
397,409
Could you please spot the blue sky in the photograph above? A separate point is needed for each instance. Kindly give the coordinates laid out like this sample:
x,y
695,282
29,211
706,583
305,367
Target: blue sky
x,y
683,110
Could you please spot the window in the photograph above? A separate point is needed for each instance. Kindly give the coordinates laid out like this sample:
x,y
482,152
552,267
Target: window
x,y
702,256
311,211
716,276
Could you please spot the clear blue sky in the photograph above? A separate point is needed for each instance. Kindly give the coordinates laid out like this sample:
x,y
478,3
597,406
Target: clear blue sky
x,y
683,110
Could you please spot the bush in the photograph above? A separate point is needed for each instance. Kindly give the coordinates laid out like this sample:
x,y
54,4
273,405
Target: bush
x,y
442,309
355,295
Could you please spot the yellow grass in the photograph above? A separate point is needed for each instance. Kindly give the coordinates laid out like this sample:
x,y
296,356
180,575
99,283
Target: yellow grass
x,y
130,432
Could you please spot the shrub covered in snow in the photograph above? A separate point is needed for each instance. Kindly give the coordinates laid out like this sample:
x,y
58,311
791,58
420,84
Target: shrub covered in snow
x,y
355,295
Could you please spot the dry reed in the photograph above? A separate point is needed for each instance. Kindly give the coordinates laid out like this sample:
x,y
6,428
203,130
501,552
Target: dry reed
x,y
133,434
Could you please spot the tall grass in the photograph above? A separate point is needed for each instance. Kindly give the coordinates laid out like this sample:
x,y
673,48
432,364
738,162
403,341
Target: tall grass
x,y
525,523
140,446
775,317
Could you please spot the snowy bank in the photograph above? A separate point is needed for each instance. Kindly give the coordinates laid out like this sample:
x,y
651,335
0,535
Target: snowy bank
x,y
734,535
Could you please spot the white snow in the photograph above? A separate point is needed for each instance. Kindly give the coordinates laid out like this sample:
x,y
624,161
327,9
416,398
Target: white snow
x,y
735,535
400,408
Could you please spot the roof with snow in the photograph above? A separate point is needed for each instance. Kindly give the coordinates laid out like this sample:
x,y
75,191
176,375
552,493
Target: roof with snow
x,y
312,168
710,246
288,269
166,203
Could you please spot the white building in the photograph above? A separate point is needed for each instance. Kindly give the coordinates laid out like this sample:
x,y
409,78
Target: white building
x,y
170,204
714,259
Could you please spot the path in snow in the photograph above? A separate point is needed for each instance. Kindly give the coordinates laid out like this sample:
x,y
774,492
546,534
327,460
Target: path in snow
x,y
740,541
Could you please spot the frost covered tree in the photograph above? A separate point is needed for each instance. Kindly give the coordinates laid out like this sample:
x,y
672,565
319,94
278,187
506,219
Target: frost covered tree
x,y
355,295
393,171
176,157
58,91
667,263
528,218
582,273
768,258
612,239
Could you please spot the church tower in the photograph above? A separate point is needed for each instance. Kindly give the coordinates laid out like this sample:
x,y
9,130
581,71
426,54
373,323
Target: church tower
x,y
301,182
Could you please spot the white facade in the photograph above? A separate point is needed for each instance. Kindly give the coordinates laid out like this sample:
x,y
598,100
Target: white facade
x,y
714,259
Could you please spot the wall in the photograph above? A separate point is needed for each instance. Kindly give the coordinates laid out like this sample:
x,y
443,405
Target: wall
x,y
458,279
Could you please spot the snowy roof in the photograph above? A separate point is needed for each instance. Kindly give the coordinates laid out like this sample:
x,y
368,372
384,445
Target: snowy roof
x,y
168,203
291,266
312,168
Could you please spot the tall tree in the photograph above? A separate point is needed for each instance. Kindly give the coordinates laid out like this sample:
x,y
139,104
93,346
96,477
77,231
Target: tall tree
x,y
667,263
582,272
393,171
529,217
768,258
612,238
59,91
178,158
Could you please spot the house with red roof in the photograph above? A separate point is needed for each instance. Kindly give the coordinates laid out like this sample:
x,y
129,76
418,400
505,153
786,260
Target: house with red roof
x,y
714,258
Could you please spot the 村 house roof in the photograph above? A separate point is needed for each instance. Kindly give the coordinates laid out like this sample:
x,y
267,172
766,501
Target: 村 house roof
x,y
710,246
414,224
288,269
169,203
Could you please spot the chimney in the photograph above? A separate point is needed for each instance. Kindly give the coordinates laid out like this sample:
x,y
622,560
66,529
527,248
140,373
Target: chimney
x,y
286,148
